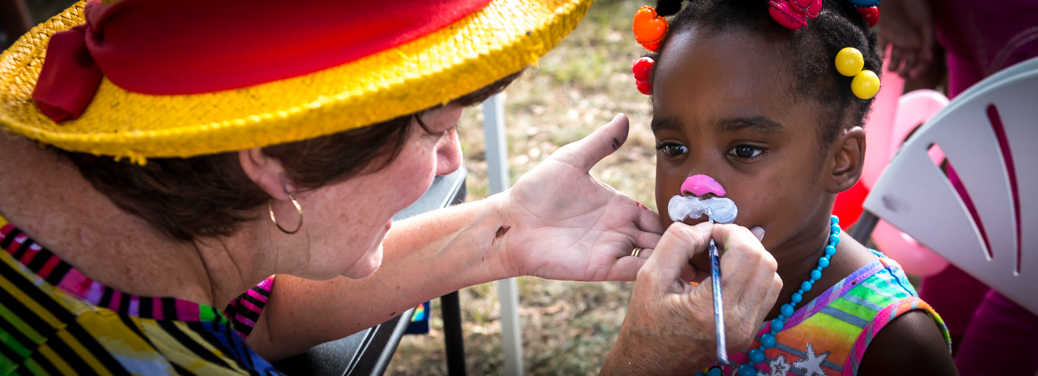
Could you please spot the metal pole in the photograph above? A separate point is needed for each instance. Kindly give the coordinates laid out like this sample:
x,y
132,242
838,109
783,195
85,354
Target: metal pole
x,y
507,289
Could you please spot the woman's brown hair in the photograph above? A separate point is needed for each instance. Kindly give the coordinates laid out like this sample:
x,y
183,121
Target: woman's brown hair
x,y
210,195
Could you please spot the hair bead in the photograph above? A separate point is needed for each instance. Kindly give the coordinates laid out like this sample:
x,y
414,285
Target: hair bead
x,y
849,61
865,84
649,28
871,15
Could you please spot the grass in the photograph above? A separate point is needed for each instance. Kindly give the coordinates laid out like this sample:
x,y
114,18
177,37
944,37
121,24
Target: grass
x,y
568,327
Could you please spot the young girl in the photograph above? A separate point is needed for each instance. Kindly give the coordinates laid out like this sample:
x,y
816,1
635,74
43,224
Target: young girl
x,y
752,96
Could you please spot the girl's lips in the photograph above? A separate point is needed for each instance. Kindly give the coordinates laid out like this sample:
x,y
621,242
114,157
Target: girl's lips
x,y
389,224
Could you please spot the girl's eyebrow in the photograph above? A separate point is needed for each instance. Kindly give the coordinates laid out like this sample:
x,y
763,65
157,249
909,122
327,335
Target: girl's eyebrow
x,y
759,124
658,124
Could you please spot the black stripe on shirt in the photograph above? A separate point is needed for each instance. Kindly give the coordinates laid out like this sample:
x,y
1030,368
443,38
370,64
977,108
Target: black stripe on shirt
x,y
58,273
191,345
10,238
39,260
22,249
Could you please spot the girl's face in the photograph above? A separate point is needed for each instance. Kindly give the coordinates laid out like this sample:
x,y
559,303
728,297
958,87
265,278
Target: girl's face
x,y
722,108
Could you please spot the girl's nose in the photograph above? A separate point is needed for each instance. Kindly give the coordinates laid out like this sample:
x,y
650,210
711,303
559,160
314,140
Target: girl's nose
x,y
700,185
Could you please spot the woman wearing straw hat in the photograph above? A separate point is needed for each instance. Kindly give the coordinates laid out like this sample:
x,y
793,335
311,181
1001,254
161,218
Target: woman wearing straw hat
x,y
163,158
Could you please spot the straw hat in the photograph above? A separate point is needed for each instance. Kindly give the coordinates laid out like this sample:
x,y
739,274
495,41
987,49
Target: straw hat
x,y
162,97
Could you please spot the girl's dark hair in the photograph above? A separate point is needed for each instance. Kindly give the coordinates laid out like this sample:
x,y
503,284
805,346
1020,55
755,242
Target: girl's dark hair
x,y
210,195
812,49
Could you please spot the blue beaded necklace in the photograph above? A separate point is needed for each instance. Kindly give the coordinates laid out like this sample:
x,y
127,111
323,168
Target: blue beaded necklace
x,y
767,340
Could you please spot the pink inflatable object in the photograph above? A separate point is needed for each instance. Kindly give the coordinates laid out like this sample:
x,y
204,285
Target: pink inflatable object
x,y
701,184
892,119
879,125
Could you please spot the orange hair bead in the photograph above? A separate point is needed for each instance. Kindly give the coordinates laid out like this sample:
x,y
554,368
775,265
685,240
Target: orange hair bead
x,y
649,27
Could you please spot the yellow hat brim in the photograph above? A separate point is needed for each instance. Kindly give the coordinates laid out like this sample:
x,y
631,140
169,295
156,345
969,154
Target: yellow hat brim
x,y
498,40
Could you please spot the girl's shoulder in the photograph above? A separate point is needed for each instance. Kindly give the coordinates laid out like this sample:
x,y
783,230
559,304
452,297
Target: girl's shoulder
x,y
904,333
832,333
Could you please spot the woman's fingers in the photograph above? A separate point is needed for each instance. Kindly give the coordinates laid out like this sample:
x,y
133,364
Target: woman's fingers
x,y
662,271
770,298
747,270
604,141
648,220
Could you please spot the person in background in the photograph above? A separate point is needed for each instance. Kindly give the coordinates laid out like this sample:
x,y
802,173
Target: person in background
x,y
991,334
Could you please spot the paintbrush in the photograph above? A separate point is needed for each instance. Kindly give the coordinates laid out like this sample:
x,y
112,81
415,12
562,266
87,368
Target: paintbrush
x,y
715,273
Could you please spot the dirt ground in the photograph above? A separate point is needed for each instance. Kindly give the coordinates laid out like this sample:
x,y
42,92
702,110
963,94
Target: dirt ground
x,y
568,327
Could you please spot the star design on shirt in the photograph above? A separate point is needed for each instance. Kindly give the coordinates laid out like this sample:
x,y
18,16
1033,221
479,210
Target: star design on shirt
x,y
779,367
812,363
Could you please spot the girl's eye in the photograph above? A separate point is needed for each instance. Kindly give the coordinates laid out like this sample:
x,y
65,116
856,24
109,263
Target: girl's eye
x,y
672,150
746,151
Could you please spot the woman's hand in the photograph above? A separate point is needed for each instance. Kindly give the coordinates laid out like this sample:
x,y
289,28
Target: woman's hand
x,y
669,327
563,224
907,26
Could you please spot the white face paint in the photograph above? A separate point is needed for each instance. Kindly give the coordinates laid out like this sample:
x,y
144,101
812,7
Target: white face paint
x,y
719,209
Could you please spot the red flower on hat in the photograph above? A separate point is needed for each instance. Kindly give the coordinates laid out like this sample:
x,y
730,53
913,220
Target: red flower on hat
x,y
793,14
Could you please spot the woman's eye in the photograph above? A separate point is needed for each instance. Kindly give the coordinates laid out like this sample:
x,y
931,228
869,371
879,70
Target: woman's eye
x,y
746,151
672,150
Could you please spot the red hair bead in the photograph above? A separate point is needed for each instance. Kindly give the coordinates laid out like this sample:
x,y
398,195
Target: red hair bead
x,y
642,68
871,15
644,87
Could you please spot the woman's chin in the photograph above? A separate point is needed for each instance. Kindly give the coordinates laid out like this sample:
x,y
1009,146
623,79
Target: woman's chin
x,y
365,266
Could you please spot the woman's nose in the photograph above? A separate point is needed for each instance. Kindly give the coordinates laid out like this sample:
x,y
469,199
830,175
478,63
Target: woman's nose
x,y
448,153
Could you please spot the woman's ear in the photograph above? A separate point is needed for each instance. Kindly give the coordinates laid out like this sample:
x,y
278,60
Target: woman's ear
x,y
848,159
266,172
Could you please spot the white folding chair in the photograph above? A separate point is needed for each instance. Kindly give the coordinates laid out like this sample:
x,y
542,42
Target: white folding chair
x,y
990,137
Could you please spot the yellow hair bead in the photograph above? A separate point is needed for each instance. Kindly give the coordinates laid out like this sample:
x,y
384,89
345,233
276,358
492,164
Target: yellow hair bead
x,y
849,61
865,84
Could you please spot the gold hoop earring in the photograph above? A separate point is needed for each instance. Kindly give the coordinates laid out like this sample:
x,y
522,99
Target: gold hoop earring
x,y
299,209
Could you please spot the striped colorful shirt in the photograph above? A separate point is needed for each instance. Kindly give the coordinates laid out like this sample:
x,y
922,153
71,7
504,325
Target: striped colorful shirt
x,y
56,321
829,335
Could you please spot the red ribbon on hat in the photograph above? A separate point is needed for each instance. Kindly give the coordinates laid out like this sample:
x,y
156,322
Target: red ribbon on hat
x,y
169,47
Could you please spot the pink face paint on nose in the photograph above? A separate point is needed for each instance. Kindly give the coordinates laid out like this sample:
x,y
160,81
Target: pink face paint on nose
x,y
701,184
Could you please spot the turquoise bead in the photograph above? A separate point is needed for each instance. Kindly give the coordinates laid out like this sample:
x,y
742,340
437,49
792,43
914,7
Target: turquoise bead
x,y
830,250
777,324
767,340
806,286
834,239
835,229
797,297
756,356
834,219
816,274
714,372
823,262
787,310
745,370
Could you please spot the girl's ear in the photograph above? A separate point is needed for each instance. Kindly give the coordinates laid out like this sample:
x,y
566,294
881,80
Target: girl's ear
x,y
847,158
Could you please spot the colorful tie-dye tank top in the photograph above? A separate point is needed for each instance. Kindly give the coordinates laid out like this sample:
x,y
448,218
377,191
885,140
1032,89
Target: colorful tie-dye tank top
x,y
829,335
56,321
